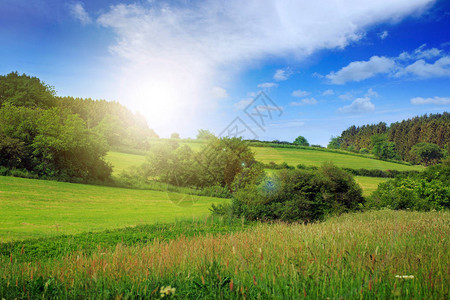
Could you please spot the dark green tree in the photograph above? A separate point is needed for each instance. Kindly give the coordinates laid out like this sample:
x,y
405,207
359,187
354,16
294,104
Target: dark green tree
x,y
24,90
301,141
427,153
335,142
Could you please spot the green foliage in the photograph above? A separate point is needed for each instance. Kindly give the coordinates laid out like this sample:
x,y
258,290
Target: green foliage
x,y
383,149
433,128
364,151
204,134
175,135
424,191
217,164
426,153
24,90
299,195
301,141
335,142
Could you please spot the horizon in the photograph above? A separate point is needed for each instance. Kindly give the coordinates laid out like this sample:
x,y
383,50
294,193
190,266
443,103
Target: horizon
x,y
187,66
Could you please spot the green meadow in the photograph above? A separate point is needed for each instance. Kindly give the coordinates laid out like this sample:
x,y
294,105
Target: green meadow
x,y
38,208
316,158
369,184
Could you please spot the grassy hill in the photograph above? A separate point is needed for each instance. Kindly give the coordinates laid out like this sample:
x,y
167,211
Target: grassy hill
x,y
312,157
37,208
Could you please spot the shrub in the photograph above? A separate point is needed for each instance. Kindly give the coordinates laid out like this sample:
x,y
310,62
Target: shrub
x,y
425,191
299,195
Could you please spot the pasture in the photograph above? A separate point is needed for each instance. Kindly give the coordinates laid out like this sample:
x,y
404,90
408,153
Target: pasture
x,y
38,208
316,158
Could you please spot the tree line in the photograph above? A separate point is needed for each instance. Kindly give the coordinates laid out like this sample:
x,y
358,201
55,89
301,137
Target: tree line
x,y
422,139
62,137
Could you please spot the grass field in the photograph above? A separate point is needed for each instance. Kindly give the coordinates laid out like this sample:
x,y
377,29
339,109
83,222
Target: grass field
x,y
123,161
369,184
38,208
316,158
374,255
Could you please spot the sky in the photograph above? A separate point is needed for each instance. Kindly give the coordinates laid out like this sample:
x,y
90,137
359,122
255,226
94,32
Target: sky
x,y
266,69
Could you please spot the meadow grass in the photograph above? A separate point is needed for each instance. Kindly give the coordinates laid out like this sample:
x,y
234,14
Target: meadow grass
x,y
308,157
317,158
37,208
369,184
123,161
360,255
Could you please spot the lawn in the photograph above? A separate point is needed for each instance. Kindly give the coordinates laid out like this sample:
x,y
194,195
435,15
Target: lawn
x,y
38,208
316,158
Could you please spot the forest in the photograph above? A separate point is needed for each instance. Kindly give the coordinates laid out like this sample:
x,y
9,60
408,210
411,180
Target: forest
x,y
405,140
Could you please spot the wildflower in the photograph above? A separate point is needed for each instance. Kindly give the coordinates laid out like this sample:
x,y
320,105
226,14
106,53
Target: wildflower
x,y
405,276
167,291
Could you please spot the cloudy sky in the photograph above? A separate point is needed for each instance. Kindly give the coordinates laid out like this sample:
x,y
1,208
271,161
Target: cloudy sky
x,y
323,65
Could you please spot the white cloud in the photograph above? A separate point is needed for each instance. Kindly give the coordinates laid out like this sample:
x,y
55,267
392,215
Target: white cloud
x,y
219,93
434,100
360,70
243,103
421,68
306,101
347,96
420,53
371,93
170,51
300,93
414,63
282,74
328,93
359,105
267,85
383,34
78,12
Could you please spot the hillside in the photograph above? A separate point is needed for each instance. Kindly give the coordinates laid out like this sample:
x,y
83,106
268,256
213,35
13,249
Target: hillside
x,y
38,208
308,157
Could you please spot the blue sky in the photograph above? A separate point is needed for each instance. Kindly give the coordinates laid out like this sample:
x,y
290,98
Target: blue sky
x,y
186,65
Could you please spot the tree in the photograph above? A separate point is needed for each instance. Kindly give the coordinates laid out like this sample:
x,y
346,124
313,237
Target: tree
x,y
24,90
383,149
335,142
204,134
301,141
427,153
175,135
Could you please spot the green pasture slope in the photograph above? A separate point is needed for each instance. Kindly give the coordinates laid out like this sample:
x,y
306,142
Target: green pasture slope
x,y
123,161
38,208
369,184
316,158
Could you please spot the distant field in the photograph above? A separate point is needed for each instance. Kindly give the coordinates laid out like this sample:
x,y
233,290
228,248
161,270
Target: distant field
x,y
316,158
39,208
369,184
124,161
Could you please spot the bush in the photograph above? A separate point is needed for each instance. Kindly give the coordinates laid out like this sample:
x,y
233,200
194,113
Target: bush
x,y
299,195
425,191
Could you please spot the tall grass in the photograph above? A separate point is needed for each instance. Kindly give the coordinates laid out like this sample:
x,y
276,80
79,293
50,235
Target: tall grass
x,y
351,256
